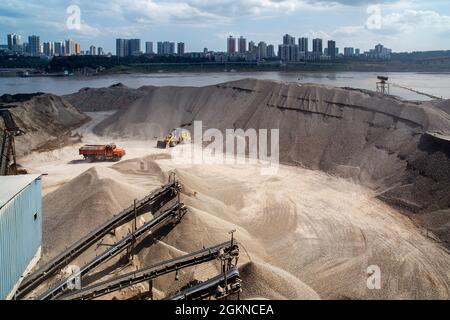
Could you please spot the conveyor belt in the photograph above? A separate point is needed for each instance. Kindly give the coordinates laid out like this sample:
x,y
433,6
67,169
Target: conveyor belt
x,y
153,202
176,211
225,249
220,287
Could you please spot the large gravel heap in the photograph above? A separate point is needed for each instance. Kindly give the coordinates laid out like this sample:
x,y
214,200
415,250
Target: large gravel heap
x,y
400,149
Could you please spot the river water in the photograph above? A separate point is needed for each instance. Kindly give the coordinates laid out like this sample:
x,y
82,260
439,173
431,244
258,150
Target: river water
x,y
436,84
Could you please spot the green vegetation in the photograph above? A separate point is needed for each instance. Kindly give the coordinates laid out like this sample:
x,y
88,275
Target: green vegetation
x,y
150,64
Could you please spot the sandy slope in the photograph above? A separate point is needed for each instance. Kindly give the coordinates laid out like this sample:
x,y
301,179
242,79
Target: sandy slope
x,y
46,119
306,234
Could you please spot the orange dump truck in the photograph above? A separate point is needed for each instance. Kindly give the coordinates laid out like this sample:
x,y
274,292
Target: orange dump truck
x,y
101,152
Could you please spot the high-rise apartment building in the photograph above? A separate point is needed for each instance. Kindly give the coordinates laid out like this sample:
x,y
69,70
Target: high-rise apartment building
x,y
58,48
349,52
128,47
303,45
149,47
77,48
13,41
288,40
166,48
270,51
134,47
69,47
251,47
242,44
317,48
262,50
48,49
34,44
180,48
121,48
231,45
332,49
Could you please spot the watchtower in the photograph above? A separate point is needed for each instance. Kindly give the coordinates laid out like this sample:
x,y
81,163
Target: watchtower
x,y
382,85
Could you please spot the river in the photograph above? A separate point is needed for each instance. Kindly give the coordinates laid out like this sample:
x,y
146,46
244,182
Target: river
x,y
435,84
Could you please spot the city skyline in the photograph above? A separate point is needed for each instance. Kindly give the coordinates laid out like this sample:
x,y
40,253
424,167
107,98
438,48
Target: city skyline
x,y
200,25
288,51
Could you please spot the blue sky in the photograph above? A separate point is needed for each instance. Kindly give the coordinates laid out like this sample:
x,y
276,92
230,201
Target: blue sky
x,y
403,25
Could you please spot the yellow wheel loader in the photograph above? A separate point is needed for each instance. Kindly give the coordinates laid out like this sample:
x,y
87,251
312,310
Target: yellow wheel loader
x,y
176,136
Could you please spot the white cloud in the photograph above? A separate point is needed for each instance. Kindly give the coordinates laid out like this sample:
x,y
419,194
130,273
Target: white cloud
x,y
411,20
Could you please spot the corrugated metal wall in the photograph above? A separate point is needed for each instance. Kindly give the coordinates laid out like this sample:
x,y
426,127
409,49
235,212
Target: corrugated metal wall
x,y
20,235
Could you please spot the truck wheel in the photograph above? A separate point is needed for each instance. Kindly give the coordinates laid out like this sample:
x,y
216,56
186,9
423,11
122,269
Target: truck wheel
x,y
172,144
89,159
116,158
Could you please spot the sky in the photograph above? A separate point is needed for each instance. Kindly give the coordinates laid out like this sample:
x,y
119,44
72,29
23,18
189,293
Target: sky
x,y
402,25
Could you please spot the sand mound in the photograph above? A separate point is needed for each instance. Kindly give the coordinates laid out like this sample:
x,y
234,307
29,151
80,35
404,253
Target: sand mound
x,y
262,280
310,230
101,99
83,204
47,121
395,147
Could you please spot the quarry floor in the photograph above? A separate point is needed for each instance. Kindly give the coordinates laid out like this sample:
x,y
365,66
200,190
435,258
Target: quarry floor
x,y
306,234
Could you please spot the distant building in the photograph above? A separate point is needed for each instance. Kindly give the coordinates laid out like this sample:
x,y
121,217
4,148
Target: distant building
x,y
271,51
100,51
349,52
92,51
231,45
303,46
379,52
121,47
77,48
134,47
166,48
288,40
58,48
331,49
251,47
262,50
34,43
48,49
180,48
26,48
357,52
69,47
317,48
13,42
128,47
242,45
149,47
288,52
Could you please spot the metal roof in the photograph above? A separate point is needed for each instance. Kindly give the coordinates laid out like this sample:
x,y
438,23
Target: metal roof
x,y
12,185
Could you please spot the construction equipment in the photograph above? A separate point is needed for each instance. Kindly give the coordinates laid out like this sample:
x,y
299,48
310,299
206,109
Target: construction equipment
x,y
225,251
8,164
153,203
101,152
219,287
176,136
173,214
